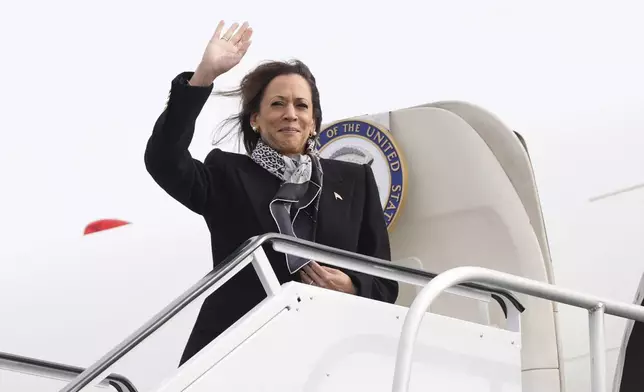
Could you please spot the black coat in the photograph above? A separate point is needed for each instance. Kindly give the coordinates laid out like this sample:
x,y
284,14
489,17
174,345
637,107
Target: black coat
x,y
232,193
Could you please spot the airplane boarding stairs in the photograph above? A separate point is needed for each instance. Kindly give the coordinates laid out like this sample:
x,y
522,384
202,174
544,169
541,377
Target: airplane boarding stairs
x,y
303,338
48,374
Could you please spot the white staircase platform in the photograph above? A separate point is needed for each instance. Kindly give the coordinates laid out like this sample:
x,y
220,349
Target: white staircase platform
x,y
311,339
304,338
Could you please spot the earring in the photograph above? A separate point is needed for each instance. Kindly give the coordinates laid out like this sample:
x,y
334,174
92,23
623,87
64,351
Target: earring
x,y
254,128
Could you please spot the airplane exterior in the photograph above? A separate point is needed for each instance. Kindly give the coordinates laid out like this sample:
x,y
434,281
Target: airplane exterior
x,y
468,200
504,135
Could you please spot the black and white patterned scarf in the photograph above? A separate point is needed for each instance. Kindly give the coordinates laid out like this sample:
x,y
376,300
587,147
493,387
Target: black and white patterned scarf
x,y
295,205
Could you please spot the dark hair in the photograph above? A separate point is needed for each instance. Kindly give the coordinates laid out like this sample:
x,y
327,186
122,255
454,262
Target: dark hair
x,y
252,88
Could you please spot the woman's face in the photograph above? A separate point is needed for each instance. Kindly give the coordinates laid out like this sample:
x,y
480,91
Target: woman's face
x,y
285,119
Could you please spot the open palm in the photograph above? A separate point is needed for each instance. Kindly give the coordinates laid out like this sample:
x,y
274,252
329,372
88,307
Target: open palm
x,y
225,51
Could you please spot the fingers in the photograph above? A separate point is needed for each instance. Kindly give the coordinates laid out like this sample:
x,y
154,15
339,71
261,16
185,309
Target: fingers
x,y
235,39
327,277
243,48
319,275
316,279
319,270
247,34
220,27
244,43
238,37
312,279
229,33
306,278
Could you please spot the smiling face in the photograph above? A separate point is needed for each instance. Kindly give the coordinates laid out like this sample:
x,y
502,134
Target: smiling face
x,y
285,119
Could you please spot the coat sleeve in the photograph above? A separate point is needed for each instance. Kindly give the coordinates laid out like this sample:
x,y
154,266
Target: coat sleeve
x,y
167,158
374,241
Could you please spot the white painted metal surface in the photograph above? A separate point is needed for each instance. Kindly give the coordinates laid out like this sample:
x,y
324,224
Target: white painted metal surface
x,y
596,306
329,341
470,200
334,318
305,338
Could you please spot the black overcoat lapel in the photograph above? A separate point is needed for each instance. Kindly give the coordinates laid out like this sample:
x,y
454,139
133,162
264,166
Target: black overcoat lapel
x,y
336,201
260,187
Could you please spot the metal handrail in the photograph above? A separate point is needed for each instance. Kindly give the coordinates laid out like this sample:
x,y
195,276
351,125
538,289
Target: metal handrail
x,y
384,269
596,307
58,371
287,244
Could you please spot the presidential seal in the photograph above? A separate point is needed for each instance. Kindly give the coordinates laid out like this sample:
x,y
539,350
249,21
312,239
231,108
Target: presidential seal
x,y
364,142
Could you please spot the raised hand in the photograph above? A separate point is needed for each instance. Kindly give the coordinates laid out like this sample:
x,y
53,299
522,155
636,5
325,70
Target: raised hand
x,y
223,52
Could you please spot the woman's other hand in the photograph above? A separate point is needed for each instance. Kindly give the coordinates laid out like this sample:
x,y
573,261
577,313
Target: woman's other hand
x,y
223,52
327,277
